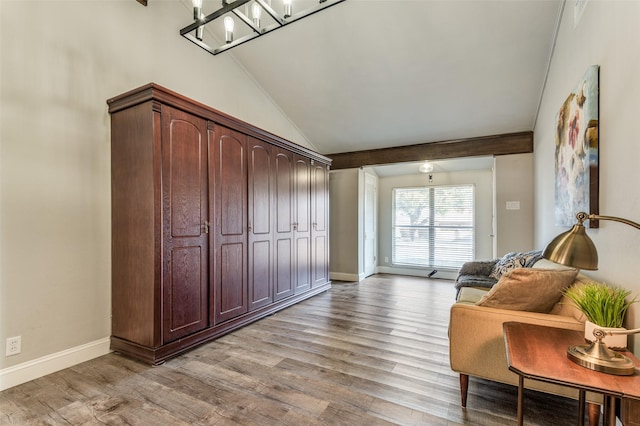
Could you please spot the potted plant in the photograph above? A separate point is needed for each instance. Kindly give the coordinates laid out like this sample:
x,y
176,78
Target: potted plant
x,y
604,306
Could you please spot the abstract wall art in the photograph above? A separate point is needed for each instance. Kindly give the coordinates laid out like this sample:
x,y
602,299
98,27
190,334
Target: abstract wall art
x,y
576,154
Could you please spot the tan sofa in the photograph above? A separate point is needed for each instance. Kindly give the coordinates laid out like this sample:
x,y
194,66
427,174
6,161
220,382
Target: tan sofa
x,y
477,342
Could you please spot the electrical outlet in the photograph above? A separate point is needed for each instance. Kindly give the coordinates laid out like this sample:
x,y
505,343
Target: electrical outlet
x,y
386,259
14,345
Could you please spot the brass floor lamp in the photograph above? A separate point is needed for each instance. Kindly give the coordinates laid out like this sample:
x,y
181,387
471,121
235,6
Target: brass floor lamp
x,y
574,248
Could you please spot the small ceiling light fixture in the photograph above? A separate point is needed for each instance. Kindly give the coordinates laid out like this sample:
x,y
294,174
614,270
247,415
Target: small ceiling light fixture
x,y
426,167
252,22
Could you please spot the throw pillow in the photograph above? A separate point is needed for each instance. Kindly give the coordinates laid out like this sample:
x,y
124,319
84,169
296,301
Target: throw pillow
x,y
515,260
529,289
567,307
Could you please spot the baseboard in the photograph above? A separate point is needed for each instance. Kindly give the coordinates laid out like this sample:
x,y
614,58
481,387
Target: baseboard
x,y
441,274
30,370
445,275
342,276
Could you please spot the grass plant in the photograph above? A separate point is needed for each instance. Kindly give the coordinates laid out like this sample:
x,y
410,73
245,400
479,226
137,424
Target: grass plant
x,y
603,305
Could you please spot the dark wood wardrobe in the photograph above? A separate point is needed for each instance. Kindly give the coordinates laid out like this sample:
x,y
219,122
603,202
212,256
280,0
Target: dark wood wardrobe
x,y
215,223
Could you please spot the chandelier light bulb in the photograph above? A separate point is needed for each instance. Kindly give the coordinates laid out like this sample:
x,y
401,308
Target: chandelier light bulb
x,y
200,30
229,23
198,16
256,12
287,8
197,9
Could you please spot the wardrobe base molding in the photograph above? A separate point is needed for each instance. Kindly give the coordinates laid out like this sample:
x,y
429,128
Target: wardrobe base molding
x,y
159,355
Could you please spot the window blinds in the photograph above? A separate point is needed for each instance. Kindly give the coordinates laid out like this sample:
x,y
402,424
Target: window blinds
x,y
433,226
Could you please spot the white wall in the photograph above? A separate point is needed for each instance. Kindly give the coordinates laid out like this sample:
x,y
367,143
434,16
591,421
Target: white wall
x,y
61,60
483,181
514,183
347,201
344,258
608,34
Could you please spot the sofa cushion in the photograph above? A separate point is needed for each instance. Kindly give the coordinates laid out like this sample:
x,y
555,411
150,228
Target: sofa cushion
x,y
515,260
526,289
471,295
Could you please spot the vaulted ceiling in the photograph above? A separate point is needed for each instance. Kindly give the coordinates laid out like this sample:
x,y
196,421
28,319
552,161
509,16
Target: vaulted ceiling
x,y
369,74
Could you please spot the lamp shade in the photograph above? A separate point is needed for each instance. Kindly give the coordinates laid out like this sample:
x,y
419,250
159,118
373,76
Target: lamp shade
x,y
573,248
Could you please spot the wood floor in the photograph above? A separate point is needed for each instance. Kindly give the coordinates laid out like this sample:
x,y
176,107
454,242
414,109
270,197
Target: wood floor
x,y
373,353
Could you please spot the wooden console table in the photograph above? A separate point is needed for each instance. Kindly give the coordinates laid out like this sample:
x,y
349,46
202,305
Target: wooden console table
x,y
540,353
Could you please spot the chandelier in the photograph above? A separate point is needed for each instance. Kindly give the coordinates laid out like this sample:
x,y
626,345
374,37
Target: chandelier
x,y
239,21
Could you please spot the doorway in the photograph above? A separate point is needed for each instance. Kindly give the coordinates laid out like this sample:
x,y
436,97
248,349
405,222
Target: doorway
x,y
370,216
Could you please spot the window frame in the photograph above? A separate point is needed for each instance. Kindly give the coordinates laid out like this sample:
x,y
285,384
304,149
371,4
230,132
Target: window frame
x,y
431,227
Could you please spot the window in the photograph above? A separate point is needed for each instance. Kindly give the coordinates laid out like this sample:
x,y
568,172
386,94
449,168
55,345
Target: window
x,y
433,226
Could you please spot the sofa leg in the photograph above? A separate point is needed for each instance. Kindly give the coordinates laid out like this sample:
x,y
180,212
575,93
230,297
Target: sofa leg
x,y
464,388
593,411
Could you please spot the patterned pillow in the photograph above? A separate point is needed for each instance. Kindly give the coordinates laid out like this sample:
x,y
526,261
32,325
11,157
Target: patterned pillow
x,y
515,260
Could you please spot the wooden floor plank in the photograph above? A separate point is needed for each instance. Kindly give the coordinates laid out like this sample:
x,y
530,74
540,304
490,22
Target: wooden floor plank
x,y
369,353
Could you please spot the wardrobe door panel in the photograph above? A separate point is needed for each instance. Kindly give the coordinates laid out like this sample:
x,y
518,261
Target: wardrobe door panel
x,y
320,224
303,263
232,295
302,195
183,295
229,171
231,185
302,224
260,192
185,241
284,269
260,224
284,279
260,272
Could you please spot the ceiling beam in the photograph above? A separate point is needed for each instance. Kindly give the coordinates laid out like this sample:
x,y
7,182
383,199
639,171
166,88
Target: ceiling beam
x,y
510,143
